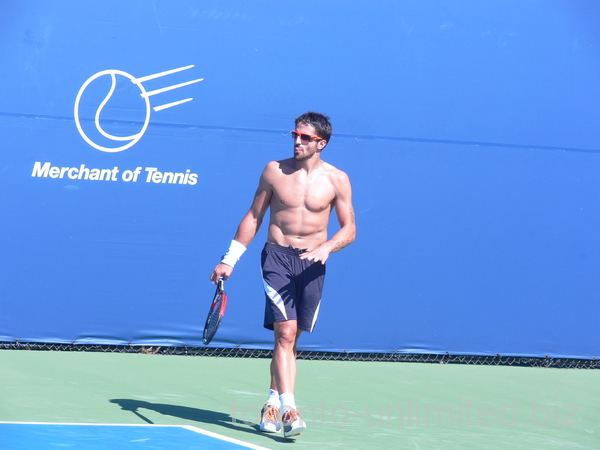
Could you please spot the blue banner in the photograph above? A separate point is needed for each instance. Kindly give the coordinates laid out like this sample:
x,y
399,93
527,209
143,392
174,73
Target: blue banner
x,y
134,134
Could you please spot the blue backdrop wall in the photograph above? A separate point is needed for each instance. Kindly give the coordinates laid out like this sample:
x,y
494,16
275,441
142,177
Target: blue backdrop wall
x,y
133,135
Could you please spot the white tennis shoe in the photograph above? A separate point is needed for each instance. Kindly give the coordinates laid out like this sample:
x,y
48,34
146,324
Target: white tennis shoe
x,y
269,422
293,424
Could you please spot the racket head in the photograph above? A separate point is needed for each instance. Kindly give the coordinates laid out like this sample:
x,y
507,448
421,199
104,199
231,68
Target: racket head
x,y
215,313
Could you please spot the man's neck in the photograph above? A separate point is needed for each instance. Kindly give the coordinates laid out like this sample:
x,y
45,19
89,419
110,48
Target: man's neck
x,y
309,165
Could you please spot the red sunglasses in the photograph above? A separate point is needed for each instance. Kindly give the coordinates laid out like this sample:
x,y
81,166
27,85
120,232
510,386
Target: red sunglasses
x,y
306,137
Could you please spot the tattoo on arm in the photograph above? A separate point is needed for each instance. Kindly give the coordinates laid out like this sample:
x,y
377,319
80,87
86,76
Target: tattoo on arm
x,y
338,245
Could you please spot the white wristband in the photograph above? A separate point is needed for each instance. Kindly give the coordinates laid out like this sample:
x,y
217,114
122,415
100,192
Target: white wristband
x,y
233,255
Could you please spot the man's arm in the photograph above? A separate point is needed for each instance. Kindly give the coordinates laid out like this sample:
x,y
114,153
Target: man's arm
x,y
249,225
346,218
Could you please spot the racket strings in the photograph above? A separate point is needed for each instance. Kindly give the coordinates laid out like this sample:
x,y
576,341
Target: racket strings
x,y
214,319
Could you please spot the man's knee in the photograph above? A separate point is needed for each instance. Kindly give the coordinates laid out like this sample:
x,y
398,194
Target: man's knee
x,y
286,332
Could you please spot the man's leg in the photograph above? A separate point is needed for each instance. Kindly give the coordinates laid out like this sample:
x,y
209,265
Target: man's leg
x,y
283,374
283,364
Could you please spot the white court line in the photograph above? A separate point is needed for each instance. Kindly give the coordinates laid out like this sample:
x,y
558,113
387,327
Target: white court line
x,y
186,427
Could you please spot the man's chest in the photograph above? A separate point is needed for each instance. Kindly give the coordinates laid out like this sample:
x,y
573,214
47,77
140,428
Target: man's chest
x,y
312,193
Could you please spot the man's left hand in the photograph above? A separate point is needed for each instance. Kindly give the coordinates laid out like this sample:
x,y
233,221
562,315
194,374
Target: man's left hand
x,y
319,254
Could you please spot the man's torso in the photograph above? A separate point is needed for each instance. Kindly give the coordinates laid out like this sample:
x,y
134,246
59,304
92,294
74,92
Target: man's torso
x,y
300,204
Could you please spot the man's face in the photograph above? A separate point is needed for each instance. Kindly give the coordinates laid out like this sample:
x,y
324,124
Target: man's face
x,y
305,149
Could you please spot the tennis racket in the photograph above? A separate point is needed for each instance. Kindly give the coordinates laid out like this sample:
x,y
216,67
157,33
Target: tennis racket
x,y
216,313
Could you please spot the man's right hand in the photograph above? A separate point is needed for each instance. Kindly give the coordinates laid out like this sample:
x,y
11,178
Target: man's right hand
x,y
222,270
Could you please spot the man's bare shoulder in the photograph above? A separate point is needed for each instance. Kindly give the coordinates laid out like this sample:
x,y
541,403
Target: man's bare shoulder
x,y
274,168
336,175
282,167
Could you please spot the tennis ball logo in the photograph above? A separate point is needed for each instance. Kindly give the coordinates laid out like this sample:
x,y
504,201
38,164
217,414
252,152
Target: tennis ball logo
x,y
130,97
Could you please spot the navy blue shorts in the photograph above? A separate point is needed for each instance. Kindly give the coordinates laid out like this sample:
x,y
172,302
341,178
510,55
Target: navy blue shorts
x,y
293,286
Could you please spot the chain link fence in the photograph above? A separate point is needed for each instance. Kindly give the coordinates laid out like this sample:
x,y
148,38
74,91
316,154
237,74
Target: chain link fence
x,y
238,352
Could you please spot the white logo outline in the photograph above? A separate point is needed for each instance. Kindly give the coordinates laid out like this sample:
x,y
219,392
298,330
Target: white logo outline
x,y
134,138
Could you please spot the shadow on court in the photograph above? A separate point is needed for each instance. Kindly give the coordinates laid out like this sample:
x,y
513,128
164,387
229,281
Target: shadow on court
x,y
193,414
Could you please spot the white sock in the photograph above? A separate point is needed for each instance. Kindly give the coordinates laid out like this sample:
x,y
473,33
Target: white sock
x,y
273,399
288,402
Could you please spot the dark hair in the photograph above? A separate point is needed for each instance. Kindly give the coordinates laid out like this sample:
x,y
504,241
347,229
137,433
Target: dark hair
x,y
317,120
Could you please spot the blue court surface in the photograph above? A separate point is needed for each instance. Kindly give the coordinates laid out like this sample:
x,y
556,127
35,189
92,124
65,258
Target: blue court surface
x,y
16,436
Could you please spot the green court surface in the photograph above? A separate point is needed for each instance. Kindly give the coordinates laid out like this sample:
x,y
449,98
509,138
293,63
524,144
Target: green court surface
x,y
350,405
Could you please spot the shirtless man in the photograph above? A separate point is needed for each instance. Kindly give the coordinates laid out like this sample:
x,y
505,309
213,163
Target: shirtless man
x,y
302,192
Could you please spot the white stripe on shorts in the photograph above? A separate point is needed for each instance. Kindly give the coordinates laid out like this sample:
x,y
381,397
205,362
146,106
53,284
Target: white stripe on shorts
x,y
275,298
314,321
